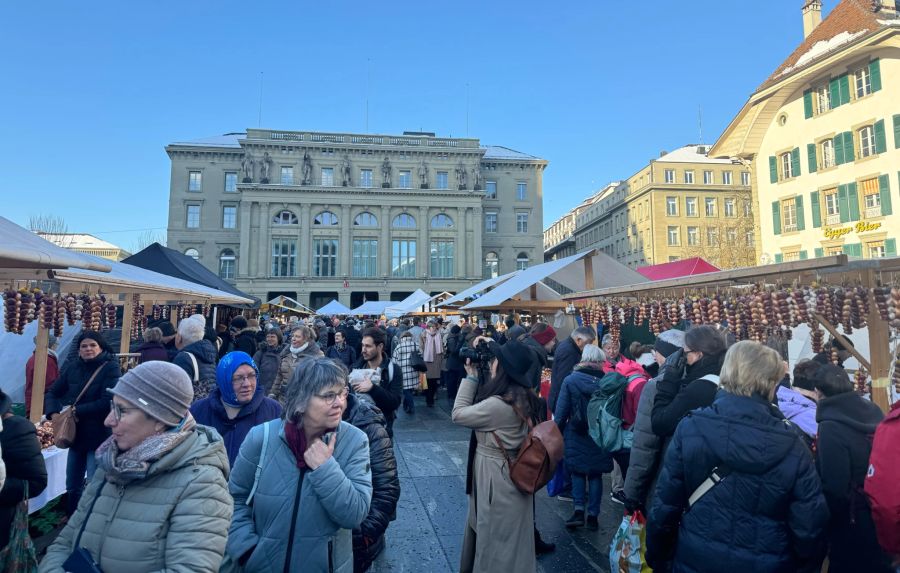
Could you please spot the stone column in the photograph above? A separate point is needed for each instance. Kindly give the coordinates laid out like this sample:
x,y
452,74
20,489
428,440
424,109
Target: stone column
x,y
477,228
423,249
262,259
303,245
244,255
344,251
461,254
384,248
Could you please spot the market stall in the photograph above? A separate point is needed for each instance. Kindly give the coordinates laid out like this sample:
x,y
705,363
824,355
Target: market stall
x,y
829,294
333,308
372,308
282,305
407,305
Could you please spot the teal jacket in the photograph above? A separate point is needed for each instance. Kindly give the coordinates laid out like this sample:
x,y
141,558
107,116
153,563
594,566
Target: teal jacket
x,y
334,498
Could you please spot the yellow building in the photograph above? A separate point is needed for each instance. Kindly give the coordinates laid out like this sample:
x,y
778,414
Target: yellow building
x,y
88,244
823,136
683,204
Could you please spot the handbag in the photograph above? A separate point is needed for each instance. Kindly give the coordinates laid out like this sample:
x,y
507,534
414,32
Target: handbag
x,y
538,456
19,555
81,560
629,545
64,423
416,362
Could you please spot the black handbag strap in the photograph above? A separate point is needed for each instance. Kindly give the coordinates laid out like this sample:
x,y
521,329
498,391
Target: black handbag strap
x,y
290,547
77,543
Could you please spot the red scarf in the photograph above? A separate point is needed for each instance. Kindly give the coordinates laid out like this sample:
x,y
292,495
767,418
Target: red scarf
x,y
296,440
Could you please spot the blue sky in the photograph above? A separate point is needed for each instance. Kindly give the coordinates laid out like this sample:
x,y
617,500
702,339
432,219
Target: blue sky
x,y
93,91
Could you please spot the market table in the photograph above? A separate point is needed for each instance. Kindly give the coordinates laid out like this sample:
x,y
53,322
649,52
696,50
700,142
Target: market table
x,y
55,460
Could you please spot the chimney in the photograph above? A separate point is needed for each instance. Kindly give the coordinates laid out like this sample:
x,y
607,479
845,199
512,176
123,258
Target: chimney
x,y
812,16
887,7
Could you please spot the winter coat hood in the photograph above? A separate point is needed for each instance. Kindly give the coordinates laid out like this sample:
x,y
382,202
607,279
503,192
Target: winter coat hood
x,y
851,410
585,380
627,367
203,349
590,368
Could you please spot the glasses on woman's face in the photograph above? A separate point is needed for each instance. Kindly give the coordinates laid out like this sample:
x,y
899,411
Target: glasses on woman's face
x,y
119,411
330,397
245,378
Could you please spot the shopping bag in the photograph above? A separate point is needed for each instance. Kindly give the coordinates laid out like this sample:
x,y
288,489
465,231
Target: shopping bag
x,y
423,382
19,555
626,553
558,481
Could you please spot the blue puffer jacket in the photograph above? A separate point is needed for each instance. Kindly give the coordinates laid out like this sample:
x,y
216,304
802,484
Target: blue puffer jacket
x,y
582,455
768,515
211,412
334,498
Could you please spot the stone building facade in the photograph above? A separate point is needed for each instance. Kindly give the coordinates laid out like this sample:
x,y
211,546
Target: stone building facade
x,y
356,217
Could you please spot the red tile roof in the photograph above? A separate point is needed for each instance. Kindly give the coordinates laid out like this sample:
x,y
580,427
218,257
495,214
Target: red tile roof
x,y
851,16
677,269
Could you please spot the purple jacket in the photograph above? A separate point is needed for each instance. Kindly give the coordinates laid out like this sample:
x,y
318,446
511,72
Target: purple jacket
x,y
799,409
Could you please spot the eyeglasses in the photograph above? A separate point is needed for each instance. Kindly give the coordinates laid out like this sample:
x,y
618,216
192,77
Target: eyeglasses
x,y
330,397
246,378
119,411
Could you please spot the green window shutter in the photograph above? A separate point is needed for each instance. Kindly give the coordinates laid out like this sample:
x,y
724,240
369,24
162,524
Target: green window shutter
x,y
844,81
776,217
834,92
803,255
843,204
880,139
848,147
890,247
897,131
807,104
839,149
801,219
811,156
853,250
779,258
884,191
875,74
819,252
816,209
795,162
773,169
853,199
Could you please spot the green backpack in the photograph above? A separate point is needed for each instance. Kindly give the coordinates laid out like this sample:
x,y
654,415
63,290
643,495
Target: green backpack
x,y
604,413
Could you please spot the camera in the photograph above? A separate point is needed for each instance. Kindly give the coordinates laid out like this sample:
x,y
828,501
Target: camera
x,y
481,354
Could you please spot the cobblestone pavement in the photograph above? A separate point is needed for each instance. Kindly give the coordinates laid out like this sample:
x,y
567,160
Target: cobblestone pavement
x,y
427,534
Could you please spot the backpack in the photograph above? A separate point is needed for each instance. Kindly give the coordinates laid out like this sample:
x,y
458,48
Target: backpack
x,y
881,482
604,413
538,456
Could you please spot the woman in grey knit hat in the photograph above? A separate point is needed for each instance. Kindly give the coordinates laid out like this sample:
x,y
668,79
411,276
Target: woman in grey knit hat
x,y
160,499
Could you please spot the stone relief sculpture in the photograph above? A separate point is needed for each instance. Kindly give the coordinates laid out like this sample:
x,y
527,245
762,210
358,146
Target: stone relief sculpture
x,y
264,165
247,167
346,172
386,173
423,175
476,177
461,176
307,169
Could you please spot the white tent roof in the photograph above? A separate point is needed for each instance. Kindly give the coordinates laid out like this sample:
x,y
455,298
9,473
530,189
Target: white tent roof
x,y
372,307
568,272
333,308
290,304
22,249
477,289
409,304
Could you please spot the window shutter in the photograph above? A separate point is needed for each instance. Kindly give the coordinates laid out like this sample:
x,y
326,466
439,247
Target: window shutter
x,y
834,93
773,169
803,255
779,258
880,139
811,156
808,103
816,209
845,89
776,217
843,204
853,199
884,191
890,247
853,250
795,162
897,131
875,74
819,252
801,219
848,147
839,149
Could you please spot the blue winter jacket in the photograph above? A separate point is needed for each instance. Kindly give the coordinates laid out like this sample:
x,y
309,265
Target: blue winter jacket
x,y
334,498
768,515
582,454
211,412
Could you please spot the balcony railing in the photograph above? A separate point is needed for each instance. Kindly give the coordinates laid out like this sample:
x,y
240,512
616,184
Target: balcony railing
x,y
833,219
790,228
362,139
873,212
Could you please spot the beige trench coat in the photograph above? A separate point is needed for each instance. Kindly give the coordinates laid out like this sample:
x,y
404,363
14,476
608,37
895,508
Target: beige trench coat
x,y
289,362
499,535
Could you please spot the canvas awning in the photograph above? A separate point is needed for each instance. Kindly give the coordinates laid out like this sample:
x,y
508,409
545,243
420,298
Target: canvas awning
x,y
675,269
287,303
409,304
22,249
372,308
332,308
477,289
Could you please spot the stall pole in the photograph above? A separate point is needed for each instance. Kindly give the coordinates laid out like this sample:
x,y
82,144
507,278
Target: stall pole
x,y
127,320
879,352
40,373
840,338
589,272
173,316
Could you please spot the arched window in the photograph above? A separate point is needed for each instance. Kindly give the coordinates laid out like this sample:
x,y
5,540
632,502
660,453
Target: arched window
x,y
441,221
226,264
285,218
365,219
325,218
491,265
404,221
193,253
522,262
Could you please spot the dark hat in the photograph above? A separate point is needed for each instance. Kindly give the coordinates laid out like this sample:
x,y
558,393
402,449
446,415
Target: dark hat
x,y
516,359
515,333
239,322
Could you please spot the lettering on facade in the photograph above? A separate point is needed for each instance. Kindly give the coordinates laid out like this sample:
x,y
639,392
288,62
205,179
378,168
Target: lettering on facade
x,y
861,227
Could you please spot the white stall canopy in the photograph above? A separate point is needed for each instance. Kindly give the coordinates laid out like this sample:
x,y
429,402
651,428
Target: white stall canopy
x,y
22,249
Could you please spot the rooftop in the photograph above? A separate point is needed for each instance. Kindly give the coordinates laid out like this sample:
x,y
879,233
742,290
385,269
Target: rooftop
x,y
78,241
693,153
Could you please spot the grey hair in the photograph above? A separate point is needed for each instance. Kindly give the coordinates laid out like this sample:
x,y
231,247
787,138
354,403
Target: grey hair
x,y
192,329
751,368
153,335
607,340
584,333
311,377
592,353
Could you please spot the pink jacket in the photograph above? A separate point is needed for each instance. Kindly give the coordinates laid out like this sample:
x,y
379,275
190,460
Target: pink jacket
x,y
627,368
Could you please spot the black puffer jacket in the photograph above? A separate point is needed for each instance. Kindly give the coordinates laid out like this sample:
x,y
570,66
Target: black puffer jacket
x,y
268,360
93,407
368,539
205,353
454,343
246,341
24,464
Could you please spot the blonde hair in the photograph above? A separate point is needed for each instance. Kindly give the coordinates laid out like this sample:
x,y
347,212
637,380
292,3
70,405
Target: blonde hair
x,y
751,368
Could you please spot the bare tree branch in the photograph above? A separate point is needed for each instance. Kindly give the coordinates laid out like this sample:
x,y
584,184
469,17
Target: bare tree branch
x,y
51,227
147,238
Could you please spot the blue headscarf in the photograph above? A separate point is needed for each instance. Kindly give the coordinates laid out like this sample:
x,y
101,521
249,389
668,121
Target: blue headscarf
x,y
225,372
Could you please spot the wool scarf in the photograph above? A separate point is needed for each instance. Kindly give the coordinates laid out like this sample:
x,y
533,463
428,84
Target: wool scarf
x,y
296,440
432,347
131,465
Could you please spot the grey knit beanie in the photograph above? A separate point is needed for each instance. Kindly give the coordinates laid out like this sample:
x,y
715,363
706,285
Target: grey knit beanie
x,y
161,390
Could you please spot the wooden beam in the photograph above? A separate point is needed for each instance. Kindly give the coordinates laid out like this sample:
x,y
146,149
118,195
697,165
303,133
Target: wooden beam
x,y
40,373
532,292
844,342
589,272
530,305
127,320
879,351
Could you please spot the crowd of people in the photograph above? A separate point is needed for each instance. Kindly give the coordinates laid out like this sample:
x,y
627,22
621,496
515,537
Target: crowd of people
x,y
269,447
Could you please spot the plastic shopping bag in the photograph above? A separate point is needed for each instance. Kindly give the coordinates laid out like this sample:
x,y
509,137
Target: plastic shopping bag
x,y
626,553
558,481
